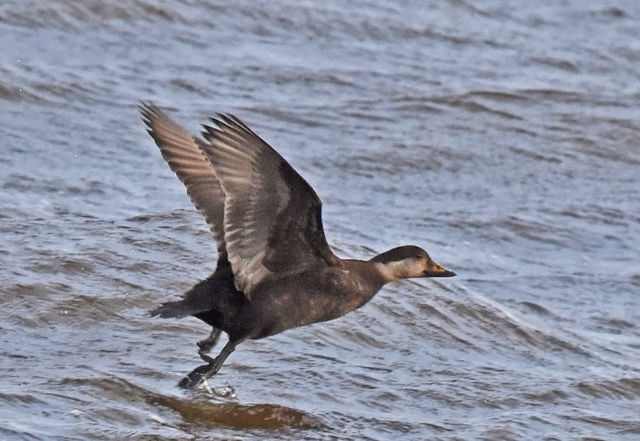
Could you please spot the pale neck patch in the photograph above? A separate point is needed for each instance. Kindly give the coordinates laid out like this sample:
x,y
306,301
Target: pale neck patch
x,y
400,269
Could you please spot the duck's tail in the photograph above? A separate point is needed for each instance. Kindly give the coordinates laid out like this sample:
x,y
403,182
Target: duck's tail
x,y
177,309
198,299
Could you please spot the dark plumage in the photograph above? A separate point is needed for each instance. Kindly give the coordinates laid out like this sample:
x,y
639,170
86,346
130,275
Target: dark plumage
x,y
275,269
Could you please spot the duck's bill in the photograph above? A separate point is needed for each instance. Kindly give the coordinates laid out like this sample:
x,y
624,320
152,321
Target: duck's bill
x,y
437,271
443,273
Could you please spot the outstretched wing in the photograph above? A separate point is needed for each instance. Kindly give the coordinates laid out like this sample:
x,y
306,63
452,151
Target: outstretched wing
x,y
272,216
184,154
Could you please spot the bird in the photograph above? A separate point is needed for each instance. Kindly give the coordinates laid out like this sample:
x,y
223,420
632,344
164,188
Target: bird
x,y
275,269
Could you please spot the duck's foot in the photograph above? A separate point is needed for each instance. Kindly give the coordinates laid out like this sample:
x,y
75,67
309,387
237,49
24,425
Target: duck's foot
x,y
200,374
205,346
195,378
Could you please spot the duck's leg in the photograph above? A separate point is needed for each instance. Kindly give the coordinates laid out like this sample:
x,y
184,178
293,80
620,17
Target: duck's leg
x,y
197,376
205,346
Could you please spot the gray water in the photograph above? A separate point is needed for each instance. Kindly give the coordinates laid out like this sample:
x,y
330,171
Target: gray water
x,y
501,137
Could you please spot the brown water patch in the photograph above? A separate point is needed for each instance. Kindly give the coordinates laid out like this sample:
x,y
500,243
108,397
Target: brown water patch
x,y
235,415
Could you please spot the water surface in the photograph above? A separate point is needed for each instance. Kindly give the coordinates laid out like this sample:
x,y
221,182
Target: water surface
x,y
501,138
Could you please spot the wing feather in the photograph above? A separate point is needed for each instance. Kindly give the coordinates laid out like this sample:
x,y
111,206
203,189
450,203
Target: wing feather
x,y
185,156
272,216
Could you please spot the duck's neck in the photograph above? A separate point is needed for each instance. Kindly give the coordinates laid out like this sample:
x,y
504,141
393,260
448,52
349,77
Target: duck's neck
x,y
390,271
367,276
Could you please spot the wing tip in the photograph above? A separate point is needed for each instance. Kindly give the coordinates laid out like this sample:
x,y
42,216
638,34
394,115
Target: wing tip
x,y
225,122
149,112
147,107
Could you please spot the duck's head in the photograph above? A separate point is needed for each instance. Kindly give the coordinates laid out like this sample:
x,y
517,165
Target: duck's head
x,y
408,261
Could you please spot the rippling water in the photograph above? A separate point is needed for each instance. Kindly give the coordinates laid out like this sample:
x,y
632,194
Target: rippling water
x,y
502,138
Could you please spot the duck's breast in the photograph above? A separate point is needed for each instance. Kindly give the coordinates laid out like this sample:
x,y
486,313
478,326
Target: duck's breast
x,y
306,298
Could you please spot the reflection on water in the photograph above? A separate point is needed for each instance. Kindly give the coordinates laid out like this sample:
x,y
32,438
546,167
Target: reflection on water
x,y
502,139
201,410
237,416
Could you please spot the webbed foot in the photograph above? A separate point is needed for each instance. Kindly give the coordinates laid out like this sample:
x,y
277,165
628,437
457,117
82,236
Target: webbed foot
x,y
200,374
195,378
207,344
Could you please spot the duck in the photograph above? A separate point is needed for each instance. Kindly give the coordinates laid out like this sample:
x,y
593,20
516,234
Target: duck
x,y
275,269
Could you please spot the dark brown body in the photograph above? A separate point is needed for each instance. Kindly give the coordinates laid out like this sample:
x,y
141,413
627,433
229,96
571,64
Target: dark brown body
x,y
316,295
